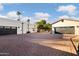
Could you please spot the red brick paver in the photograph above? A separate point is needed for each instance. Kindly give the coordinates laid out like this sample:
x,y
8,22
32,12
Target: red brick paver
x,y
35,44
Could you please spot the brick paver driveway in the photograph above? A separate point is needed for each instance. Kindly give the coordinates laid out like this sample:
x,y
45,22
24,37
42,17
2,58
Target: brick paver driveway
x,y
35,44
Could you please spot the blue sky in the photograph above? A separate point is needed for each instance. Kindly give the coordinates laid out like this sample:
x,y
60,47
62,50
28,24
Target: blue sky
x,y
37,11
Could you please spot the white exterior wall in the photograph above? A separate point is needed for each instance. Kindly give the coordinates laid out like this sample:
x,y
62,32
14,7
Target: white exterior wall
x,y
24,28
52,29
67,23
31,27
18,24
8,22
76,30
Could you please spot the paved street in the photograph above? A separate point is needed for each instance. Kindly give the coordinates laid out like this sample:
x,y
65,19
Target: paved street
x,y
35,44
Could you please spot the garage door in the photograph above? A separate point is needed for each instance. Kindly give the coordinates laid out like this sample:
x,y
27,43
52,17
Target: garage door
x,y
64,30
7,30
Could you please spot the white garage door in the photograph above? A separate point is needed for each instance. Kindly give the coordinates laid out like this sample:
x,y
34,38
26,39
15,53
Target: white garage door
x,y
64,30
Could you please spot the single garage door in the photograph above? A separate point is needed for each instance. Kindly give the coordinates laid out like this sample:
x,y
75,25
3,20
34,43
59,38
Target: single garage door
x,y
64,30
8,30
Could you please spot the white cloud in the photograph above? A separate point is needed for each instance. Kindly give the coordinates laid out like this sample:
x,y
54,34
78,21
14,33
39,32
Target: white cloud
x,y
25,18
3,16
1,7
71,11
68,8
68,17
12,15
64,17
41,15
75,18
37,16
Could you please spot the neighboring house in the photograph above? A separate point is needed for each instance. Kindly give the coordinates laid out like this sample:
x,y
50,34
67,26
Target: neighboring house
x,y
32,27
8,26
66,26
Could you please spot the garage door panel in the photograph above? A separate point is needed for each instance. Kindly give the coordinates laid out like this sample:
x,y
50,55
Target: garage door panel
x,y
7,30
65,30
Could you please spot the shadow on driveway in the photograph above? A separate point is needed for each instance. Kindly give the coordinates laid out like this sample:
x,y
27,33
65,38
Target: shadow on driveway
x,y
30,49
18,45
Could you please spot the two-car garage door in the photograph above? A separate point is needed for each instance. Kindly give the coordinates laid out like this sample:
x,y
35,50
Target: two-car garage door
x,y
8,30
64,30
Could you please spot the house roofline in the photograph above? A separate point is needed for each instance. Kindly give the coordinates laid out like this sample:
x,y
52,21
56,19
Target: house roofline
x,y
65,19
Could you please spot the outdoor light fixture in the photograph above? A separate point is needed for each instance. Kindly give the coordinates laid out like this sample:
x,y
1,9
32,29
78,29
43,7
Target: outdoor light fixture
x,y
18,13
62,20
28,21
22,27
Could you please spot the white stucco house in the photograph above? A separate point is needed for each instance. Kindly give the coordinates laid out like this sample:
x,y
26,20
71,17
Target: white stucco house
x,y
8,26
66,26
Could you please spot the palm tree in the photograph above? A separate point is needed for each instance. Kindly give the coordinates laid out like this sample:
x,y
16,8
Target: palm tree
x,y
18,13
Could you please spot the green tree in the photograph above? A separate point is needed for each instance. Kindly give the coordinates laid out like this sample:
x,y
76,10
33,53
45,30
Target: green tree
x,y
48,26
43,26
40,25
43,22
